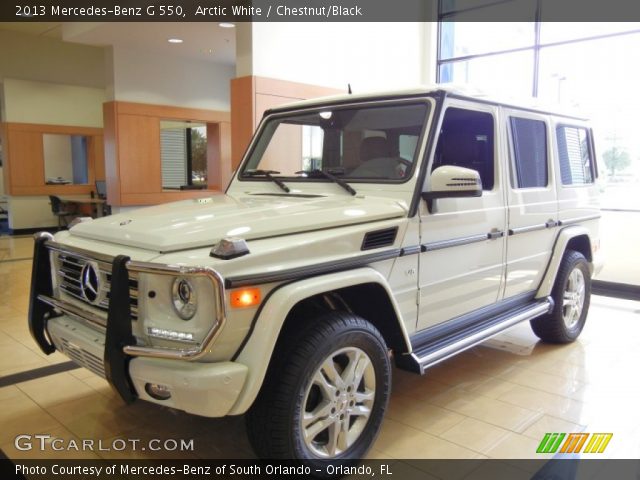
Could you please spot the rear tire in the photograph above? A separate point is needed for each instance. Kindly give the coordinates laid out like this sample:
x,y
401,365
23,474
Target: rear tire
x,y
571,294
323,398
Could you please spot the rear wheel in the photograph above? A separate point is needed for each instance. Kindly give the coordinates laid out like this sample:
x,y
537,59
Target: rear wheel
x,y
571,294
324,399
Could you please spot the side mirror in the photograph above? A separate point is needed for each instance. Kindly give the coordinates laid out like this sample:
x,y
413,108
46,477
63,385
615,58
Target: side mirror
x,y
451,181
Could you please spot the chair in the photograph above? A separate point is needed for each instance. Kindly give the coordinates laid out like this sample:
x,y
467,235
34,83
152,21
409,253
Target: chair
x,y
101,190
374,147
377,159
58,208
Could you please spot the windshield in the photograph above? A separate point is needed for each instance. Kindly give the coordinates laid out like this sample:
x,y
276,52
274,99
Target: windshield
x,y
364,143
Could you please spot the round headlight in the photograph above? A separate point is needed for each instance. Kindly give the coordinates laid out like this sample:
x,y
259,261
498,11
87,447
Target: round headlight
x,y
184,298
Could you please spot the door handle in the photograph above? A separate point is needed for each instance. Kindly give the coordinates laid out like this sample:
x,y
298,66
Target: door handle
x,y
495,233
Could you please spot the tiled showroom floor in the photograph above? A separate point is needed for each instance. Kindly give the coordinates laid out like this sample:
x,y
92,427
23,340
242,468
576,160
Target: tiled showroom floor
x,y
496,400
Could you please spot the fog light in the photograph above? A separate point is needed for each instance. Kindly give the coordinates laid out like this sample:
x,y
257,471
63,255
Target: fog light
x,y
158,391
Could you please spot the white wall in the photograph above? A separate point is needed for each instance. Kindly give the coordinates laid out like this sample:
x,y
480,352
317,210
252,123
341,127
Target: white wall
x,y
28,101
369,56
145,77
30,212
53,104
57,156
50,60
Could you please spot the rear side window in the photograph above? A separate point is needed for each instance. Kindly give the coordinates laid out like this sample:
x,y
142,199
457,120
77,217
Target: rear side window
x,y
576,164
530,152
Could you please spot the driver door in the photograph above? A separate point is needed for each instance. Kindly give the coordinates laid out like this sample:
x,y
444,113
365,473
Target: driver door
x,y
463,240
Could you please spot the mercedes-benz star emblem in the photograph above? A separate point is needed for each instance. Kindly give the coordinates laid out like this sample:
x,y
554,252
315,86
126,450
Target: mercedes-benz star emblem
x,y
90,282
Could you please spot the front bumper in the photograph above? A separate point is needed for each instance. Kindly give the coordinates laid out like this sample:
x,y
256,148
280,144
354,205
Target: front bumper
x,y
110,349
207,389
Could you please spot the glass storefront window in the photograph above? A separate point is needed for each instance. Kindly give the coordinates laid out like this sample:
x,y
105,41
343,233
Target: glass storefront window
x,y
597,78
459,39
552,32
507,75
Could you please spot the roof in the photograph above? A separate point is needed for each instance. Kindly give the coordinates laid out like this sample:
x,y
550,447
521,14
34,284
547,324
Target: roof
x,y
457,91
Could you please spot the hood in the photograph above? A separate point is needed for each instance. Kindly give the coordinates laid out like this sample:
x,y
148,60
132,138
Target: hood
x,y
203,222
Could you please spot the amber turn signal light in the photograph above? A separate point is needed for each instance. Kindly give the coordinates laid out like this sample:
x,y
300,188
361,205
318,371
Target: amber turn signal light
x,y
245,297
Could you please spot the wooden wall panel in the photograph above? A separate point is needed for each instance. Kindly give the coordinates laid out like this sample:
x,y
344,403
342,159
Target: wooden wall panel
x,y
218,155
252,95
111,164
132,151
139,149
24,159
243,116
5,152
171,112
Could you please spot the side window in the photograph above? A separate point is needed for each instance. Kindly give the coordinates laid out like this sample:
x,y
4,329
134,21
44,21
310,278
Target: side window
x,y
466,140
529,139
407,145
576,164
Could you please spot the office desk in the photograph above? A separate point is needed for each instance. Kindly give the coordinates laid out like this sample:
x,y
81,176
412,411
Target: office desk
x,y
96,204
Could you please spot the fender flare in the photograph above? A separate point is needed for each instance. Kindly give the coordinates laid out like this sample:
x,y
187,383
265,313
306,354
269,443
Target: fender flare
x,y
563,238
257,352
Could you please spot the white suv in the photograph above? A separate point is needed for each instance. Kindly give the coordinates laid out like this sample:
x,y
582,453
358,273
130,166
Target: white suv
x,y
358,230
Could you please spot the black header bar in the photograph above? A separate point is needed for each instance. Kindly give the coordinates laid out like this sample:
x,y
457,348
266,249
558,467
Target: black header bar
x,y
317,10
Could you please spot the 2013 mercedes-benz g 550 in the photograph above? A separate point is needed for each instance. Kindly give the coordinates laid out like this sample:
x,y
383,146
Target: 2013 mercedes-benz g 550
x,y
358,230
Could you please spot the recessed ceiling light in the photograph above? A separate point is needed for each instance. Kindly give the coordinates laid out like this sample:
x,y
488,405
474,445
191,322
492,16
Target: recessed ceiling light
x,y
227,25
175,40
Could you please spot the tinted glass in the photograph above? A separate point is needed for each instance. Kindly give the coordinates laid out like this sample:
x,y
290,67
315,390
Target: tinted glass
x,y
574,155
466,140
356,143
530,152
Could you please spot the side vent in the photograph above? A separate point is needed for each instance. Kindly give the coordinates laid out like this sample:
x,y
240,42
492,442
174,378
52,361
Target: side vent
x,y
379,238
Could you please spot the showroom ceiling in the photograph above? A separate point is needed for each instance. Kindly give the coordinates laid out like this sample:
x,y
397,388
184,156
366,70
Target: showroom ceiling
x,y
201,40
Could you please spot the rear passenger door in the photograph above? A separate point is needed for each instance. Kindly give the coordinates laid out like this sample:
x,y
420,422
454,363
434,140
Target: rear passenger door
x,y
531,200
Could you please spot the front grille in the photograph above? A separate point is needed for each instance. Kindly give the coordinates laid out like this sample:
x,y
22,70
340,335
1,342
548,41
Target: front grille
x,y
82,357
69,279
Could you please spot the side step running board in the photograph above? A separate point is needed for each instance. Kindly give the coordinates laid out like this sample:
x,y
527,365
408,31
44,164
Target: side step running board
x,y
428,355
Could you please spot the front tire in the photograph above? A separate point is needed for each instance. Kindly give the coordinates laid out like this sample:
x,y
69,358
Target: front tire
x,y
571,294
324,397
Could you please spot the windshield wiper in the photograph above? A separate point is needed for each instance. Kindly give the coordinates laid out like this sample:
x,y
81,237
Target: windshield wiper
x,y
267,174
330,176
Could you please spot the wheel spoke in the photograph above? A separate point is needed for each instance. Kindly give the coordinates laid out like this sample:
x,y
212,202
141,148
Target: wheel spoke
x,y
320,412
363,397
321,381
343,434
567,299
330,372
314,429
332,443
349,372
361,411
363,363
